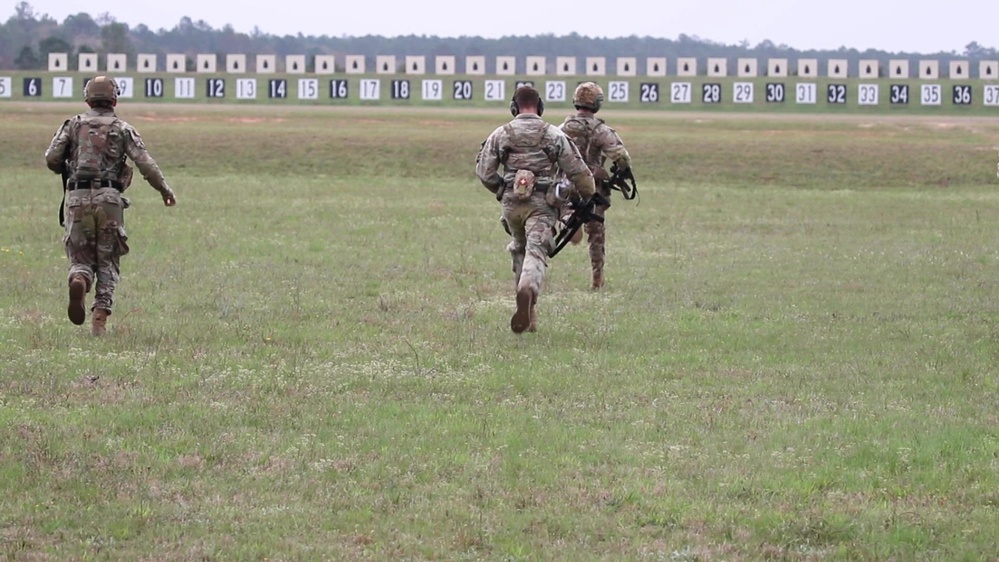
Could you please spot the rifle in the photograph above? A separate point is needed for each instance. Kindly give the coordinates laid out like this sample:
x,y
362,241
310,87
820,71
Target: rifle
x,y
62,205
620,180
582,213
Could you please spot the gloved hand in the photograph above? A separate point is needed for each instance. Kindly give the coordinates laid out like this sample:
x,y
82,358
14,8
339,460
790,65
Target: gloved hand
x,y
169,198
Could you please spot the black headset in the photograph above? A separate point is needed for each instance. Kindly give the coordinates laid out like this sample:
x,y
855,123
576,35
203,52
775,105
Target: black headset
x,y
515,109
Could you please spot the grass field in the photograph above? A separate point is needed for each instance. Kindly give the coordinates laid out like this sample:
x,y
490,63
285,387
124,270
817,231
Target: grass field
x,y
310,356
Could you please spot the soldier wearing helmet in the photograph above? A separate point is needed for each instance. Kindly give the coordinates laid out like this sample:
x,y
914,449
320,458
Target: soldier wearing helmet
x,y
597,142
90,152
531,153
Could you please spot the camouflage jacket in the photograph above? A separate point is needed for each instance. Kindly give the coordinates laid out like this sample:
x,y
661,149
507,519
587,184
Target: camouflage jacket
x,y
94,145
596,141
528,143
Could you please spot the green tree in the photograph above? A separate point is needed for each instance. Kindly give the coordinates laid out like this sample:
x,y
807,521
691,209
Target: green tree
x,y
26,59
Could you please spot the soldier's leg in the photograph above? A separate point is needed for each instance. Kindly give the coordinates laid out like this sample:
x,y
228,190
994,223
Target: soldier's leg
x,y
110,247
513,217
596,237
80,245
538,227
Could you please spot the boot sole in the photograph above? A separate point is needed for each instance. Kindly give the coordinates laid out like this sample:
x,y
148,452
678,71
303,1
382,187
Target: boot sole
x,y
522,318
76,311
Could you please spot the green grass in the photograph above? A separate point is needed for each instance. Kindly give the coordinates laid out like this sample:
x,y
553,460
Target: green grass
x,y
310,356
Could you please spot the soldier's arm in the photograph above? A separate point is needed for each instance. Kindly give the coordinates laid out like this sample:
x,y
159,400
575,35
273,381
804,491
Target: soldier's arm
x,y
55,154
613,147
487,165
136,150
574,167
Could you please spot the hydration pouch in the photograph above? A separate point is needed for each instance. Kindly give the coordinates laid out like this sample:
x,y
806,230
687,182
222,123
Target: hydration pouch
x,y
523,185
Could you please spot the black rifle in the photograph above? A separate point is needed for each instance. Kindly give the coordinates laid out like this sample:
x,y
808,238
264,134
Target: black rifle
x,y
582,213
62,205
623,181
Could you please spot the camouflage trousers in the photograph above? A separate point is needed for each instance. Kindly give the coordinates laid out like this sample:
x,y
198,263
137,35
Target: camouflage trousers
x,y
95,240
596,239
532,224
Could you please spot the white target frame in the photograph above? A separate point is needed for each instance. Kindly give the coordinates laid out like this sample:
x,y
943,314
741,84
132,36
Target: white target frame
x,y
988,70
416,64
385,64
837,68
655,66
116,62
265,64
777,68
929,69
686,66
596,66
475,65
868,68
205,63
176,63
354,64
87,62
959,70
717,66
235,63
536,65
565,66
324,64
747,68
294,64
626,66
58,62
808,68
145,62
898,69
448,65
506,65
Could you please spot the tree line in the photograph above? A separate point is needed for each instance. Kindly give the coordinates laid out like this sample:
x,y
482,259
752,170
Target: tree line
x,y
27,38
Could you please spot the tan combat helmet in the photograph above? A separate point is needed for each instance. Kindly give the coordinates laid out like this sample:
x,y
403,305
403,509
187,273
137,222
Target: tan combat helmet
x,y
588,95
101,88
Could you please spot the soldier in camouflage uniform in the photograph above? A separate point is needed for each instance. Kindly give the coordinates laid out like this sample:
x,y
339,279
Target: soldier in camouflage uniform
x,y
531,153
89,150
597,142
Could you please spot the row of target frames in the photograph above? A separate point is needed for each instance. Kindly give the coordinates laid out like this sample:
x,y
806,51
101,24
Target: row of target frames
x,y
496,90
532,66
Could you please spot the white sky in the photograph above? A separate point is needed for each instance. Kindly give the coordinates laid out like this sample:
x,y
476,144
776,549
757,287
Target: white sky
x,y
917,26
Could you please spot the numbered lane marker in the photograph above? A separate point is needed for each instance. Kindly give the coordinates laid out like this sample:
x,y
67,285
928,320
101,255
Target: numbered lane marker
x,y
32,87
432,90
836,94
648,92
475,65
246,88
930,94
183,88
277,89
962,94
867,94
565,66
680,92
990,94
400,89
805,93
555,91
776,92
655,66
898,94
495,90
339,89
62,87
868,68
371,89
6,85
324,64
308,89
618,91
506,66
154,88
205,63
294,64
711,93
743,92
461,90
777,68
126,86
686,66
215,87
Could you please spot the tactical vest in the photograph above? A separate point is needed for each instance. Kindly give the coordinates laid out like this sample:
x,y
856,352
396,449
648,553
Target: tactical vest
x,y
582,135
528,151
96,153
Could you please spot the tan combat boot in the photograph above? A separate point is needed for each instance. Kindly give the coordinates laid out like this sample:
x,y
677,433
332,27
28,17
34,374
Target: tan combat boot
x,y
521,320
77,291
99,322
532,325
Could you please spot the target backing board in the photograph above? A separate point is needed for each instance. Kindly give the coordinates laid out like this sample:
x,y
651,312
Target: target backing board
x,y
747,68
808,68
58,62
235,63
929,69
416,64
535,66
868,68
325,64
145,63
596,66
447,64
265,64
205,63
176,62
959,70
116,62
837,68
717,66
354,64
294,64
565,66
988,70
898,69
777,68
686,66
655,66
385,64
627,66
475,65
87,62
506,66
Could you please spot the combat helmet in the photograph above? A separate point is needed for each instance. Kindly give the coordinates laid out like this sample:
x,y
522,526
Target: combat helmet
x,y
588,95
101,88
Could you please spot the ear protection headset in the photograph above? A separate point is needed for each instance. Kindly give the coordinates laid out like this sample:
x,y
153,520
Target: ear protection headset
x,y
515,109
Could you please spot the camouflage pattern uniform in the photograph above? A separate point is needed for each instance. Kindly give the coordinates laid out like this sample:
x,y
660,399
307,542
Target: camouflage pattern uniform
x,y
528,143
597,142
90,150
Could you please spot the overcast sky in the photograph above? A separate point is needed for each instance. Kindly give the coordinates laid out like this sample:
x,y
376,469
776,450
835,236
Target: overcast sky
x,y
894,26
